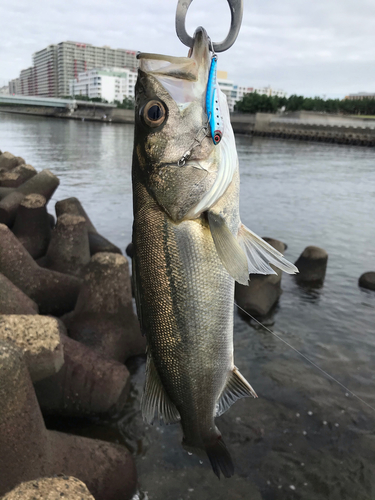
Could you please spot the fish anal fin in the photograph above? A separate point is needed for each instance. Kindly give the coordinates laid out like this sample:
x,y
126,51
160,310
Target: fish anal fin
x,y
261,254
155,403
237,387
229,250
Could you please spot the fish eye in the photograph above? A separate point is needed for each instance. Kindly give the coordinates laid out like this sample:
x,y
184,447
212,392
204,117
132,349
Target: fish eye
x,y
154,113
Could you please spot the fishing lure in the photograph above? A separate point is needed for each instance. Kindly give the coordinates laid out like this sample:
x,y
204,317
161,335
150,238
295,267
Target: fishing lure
x,y
212,103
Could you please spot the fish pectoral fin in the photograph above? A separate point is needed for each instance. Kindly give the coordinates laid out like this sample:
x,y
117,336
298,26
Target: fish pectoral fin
x,y
228,248
237,387
260,254
155,403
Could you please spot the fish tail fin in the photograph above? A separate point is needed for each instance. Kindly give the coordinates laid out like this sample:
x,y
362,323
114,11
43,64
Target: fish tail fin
x,y
220,458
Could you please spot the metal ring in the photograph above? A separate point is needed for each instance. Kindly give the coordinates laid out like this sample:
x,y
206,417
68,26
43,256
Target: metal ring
x,y
236,10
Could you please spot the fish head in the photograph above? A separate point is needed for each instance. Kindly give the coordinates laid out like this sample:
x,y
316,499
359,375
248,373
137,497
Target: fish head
x,y
170,116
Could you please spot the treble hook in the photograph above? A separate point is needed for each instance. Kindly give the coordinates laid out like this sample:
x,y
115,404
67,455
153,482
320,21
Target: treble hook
x,y
236,10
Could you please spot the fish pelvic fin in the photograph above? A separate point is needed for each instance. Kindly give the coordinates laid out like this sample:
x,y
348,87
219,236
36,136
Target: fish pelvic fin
x,y
155,402
237,387
260,254
220,458
231,254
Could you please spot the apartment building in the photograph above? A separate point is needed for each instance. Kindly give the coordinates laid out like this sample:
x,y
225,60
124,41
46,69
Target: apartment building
x,y
45,72
57,64
111,84
14,86
360,96
27,81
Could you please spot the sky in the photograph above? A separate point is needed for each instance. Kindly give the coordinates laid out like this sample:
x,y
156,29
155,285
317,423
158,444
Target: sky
x,y
320,47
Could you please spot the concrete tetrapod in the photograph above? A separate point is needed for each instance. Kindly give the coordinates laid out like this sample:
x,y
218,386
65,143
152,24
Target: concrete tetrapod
x,y
97,242
55,293
103,317
312,265
9,161
17,176
86,385
50,488
30,451
367,280
32,225
39,339
13,300
44,183
263,291
68,251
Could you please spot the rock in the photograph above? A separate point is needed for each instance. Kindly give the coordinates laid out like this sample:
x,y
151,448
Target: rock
x,y
30,451
312,265
97,242
263,292
39,339
103,317
50,488
55,293
130,250
44,183
9,161
17,176
86,385
32,225
367,280
68,251
13,300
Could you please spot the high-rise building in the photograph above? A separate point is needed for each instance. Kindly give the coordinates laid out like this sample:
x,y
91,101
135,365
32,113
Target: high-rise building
x,y
45,72
14,86
26,82
55,65
111,84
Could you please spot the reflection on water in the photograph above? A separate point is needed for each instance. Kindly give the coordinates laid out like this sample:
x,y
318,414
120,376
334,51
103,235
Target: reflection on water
x,y
304,437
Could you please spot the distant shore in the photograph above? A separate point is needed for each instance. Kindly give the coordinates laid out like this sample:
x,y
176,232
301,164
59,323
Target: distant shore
x,y
302,125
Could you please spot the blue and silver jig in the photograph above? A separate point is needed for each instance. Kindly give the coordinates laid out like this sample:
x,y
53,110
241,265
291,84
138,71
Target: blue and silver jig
x,y
213,103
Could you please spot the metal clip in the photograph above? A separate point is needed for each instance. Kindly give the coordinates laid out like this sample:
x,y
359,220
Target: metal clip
x,y
236,10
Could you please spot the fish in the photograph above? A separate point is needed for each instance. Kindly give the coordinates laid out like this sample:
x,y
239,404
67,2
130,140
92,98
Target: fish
x,y
189,249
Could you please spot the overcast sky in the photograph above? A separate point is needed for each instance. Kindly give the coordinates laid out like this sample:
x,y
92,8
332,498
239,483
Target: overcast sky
x,y
319,47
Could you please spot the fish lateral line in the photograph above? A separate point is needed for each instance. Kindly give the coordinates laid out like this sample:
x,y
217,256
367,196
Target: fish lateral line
x,y
307,359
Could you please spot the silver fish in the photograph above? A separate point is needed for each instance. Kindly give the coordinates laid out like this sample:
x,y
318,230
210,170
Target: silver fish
x,y
189,248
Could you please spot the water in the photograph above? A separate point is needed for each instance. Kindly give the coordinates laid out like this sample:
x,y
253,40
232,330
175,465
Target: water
x,y
303,438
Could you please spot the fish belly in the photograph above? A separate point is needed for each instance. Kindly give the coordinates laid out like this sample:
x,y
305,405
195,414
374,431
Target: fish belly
x,y
185,301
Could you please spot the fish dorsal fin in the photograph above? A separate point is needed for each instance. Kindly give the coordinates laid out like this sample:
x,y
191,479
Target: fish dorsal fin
x,y
155,403
237,387
260,254
229,250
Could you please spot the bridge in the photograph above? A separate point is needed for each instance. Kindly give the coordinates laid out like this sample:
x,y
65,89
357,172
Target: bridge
x,y
68,105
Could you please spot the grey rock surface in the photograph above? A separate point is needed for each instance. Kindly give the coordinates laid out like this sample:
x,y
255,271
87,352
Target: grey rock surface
x,y
367,280
50,488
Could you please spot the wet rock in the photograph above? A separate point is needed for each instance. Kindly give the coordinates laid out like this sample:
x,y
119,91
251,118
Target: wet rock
x,y
39,339
97,242
103,317
13,300
367,280
68,251
17,176
55,293
50,488
32,225
9,161
44,183
312,265
263,292
29,451
87,384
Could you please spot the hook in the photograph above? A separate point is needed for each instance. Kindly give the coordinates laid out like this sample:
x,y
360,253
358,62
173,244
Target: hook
x,y
236,10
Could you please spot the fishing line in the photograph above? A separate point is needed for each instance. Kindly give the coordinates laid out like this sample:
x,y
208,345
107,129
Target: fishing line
x,y
307,359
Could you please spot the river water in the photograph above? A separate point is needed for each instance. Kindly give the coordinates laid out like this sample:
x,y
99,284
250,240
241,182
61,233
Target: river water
x,y
305,437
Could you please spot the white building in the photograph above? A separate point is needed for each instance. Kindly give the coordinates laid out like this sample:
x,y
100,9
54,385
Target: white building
x,y
235,93
111,84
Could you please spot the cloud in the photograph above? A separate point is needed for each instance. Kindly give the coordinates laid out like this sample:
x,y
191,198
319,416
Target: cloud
x,y
311,48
